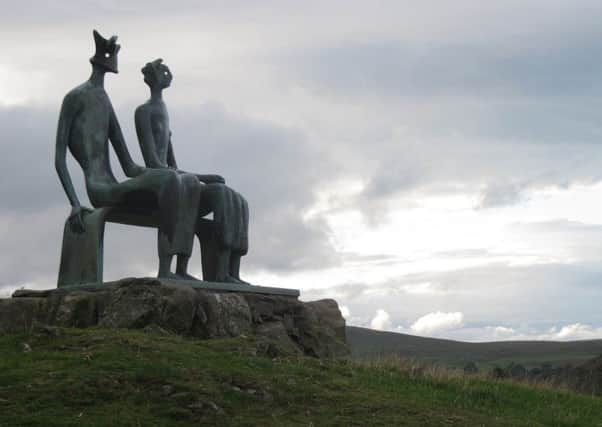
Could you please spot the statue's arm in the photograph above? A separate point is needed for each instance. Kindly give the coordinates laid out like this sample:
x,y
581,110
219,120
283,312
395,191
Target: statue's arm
x,y
130,168
171,158
68,113
146,139
211,179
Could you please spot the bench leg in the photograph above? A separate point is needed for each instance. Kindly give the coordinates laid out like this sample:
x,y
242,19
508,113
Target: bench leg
x,y
82,254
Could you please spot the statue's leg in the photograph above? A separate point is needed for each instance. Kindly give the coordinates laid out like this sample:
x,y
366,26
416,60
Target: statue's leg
x,y
222,266
242,242
182,268
165,256
171,240
190,193
235,266
215,198
205,234
178,202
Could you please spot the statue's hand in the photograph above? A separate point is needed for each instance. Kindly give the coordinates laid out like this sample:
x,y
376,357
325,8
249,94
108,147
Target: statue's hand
x,y
219,179
135,170
76,218
212,179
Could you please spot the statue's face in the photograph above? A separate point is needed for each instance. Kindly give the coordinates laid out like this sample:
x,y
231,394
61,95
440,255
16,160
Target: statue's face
x,y
163,76
110,62
157,74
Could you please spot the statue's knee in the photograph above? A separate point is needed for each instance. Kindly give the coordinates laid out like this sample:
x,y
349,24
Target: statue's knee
x,y
242,202
216,190
189,180
166,179
161,174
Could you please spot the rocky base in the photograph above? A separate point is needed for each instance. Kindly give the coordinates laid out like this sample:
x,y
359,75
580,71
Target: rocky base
x,y
279,322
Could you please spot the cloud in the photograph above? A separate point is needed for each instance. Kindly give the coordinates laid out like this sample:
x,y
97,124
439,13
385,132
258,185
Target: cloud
x,y
575,331
423,288
439,113
503,332
274,167
500,194
571,332
345,312
381,321
492,294
437,322
28,179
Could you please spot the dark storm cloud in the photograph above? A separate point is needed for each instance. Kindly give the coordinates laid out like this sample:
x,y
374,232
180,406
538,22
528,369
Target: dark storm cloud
x,y
507,117
27,151
406,70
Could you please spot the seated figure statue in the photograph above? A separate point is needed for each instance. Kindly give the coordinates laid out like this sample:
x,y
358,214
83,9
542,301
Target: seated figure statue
x,y
86,124
230,209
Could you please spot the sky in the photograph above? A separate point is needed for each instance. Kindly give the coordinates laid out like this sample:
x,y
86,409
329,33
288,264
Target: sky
x,y
434,166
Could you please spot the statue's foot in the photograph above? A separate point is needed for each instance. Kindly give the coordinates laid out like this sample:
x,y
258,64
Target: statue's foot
x,y
186,276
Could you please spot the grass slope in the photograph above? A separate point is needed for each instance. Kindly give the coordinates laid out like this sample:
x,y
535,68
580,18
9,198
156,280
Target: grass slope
x,y
366,343
98,377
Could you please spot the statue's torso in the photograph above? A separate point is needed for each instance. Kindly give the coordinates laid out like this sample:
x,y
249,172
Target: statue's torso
x,y
89,136
160,128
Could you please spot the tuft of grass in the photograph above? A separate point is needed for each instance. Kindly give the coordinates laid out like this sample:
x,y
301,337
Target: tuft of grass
x,y
98,377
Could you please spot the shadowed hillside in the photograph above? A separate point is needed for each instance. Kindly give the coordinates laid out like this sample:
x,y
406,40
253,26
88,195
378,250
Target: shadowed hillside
x,y
108,377
368,343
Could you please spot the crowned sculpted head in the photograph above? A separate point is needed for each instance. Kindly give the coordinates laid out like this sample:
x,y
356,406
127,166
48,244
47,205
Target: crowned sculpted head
x,y
106,52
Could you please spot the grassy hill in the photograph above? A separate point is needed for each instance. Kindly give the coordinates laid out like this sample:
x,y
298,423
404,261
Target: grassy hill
x,y
96,377
368,343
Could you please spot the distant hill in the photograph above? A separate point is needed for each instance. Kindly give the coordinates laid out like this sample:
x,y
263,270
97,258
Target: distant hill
x,y
368,343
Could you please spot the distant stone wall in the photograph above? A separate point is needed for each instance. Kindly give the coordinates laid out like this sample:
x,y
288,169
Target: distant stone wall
x,y
313,328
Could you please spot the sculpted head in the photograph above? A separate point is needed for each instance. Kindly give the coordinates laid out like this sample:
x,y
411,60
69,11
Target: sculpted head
x,y
106,52
156,74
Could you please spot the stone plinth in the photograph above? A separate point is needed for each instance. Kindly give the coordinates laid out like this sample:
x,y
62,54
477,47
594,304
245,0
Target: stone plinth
x,y
313,328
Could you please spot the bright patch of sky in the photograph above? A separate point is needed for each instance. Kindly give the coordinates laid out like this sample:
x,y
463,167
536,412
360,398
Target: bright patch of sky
x,y
18,87
442,233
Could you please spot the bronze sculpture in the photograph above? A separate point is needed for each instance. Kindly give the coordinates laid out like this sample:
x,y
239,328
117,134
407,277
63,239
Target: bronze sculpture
x,y
158,195
87,123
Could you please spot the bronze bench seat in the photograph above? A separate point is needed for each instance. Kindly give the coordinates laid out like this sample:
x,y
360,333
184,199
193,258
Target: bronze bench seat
x,y
82,253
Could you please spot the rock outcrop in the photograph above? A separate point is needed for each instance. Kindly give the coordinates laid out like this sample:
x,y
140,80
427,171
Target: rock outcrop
x,y
279,322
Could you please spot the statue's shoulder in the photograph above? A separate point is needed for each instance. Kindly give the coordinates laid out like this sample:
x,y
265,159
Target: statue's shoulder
x,y
143,110
143,107
77,93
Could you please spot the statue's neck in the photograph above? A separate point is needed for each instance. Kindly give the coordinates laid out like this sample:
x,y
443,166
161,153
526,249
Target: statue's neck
x,y
98,77
156,94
